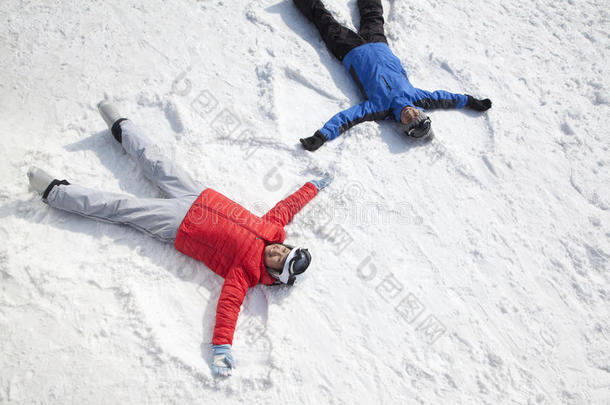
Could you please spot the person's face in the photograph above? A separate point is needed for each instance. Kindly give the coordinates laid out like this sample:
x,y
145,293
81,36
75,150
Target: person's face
x,y
408,115
275,256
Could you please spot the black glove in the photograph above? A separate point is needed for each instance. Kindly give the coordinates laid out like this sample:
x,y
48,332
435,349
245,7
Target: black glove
x,y
478,105
313,142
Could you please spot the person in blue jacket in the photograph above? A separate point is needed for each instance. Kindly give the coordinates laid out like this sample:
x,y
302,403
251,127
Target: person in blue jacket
x,y
379,75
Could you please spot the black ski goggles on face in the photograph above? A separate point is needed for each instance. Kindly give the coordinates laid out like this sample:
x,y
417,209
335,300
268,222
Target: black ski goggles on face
x,y
297,265
421,129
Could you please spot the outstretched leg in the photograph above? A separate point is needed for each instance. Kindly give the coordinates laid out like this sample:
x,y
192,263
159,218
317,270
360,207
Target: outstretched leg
x,y
166,175
157,217
339,39
371,21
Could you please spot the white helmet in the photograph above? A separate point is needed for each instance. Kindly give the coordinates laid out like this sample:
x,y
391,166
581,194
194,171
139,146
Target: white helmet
x,y
296,263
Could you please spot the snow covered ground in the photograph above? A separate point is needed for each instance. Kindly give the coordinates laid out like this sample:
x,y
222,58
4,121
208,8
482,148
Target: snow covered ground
x,y
472,269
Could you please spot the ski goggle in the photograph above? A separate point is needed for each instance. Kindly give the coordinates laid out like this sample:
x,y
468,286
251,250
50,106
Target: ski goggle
x,y
421,128
296,263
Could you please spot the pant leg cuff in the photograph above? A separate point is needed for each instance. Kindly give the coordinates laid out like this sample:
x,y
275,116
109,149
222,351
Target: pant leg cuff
x,y
51,185
116,130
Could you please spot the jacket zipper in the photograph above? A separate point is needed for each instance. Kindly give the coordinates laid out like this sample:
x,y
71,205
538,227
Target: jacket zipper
x,y
386,82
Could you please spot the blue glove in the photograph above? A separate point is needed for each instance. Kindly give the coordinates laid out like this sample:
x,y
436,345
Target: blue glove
x,y
223,362
323,182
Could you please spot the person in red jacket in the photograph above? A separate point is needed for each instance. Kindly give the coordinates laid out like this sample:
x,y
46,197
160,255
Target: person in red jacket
x,y
243,248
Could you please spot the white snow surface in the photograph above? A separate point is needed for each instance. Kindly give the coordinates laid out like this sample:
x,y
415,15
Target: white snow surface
x,y
473,269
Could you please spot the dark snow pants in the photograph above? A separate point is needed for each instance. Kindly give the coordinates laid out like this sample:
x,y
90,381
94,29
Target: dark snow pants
x,y
339,39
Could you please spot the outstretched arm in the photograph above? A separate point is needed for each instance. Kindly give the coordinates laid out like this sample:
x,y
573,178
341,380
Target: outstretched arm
x,y
229,303
429,100
341,122
231,297
285,210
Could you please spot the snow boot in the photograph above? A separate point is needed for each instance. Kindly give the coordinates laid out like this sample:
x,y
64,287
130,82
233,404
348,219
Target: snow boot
x,y
42,182
112,118
39,179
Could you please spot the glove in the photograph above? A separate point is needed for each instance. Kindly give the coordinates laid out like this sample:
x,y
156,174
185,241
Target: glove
x,y
478,105
323,182
313,142
223,362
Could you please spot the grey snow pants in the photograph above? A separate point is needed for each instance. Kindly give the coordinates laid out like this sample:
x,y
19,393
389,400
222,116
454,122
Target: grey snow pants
x,y
157,217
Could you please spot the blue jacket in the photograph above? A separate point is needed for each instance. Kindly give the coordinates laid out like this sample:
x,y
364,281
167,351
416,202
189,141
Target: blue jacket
x,y
384,82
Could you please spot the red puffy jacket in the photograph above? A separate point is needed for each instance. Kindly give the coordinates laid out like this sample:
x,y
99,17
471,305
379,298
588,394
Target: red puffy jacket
x,y
231,241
